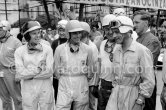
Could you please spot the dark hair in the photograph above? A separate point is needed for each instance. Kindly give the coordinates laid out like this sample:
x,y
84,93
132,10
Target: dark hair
x,y
145,15
94,24
27,37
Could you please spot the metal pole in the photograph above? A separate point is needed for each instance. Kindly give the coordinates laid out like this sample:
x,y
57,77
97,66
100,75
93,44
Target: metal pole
x,y
81,10
158,18
19,13
47,13
6,10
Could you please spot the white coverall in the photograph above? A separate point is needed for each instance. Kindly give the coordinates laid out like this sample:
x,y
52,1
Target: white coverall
x,y
36,92
71,70
134,76
9,88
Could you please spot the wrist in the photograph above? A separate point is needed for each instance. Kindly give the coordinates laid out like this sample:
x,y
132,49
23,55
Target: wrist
x,y
140,101
39,70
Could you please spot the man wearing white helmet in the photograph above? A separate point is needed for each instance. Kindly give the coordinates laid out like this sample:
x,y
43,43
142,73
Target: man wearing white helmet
x,y
62,38
92,84
133,69
34,62
73,68
6,25
10,89
106,54
121,12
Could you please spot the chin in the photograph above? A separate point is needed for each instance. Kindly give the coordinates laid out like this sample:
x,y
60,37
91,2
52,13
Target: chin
x,y
119,42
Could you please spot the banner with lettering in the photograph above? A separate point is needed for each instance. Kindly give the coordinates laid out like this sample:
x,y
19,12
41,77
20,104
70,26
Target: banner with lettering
x,y
154,4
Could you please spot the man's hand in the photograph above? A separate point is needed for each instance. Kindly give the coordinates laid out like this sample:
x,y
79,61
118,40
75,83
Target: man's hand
x,y
137,107
42,65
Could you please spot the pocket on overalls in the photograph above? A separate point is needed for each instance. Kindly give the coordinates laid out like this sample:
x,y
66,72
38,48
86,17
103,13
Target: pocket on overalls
x,y
84,96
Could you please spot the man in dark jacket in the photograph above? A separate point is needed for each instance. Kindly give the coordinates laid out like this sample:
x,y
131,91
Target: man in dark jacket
x,y
145,37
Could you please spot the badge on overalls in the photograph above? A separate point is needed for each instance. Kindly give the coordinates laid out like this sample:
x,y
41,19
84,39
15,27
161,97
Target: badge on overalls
x,y
83,62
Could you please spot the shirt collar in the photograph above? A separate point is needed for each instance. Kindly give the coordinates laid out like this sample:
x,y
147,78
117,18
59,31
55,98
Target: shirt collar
x,y
131,48
148,30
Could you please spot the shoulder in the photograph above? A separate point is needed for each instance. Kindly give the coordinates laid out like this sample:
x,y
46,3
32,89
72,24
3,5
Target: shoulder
x,y
61,47
55,42
45,46
139,45
153,40
85,48
83,45
16,40
21,49
91,44
104,41
151,37
141,48
45,42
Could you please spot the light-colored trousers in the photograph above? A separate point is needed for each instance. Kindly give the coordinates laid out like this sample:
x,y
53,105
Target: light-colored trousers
x,y
9,89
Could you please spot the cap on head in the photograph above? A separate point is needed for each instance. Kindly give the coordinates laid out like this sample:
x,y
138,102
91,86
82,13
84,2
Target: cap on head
x,y
74,26
1,25
123,23
62,24
6,25
119,12
30,26
85,26
107,19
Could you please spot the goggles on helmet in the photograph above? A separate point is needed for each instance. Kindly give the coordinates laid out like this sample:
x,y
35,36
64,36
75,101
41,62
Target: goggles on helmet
x,y
117,24
60,26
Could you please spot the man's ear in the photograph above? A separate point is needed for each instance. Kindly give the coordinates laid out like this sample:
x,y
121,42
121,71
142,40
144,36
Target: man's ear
x,y
131,31
147,23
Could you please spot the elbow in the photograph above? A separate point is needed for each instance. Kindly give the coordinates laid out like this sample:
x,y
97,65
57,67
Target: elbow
x,y
147,90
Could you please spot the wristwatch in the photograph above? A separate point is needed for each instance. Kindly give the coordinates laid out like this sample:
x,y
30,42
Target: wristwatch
x,y
139,101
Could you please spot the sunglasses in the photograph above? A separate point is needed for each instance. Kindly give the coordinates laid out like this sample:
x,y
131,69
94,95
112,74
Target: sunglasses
x,y
109,49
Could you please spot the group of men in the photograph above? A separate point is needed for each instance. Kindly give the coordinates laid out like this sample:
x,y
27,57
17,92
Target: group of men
x,y
118,72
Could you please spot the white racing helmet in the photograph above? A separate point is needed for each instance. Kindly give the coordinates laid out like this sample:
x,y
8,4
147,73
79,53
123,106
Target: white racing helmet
x,y
119,12
107,19
73,26
85,26
123,23
62,24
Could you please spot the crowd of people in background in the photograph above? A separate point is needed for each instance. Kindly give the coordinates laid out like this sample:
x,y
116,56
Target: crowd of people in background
x,y
80,66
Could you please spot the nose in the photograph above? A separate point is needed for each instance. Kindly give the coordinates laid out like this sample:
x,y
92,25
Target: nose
x,y
114,35
134,24
38,35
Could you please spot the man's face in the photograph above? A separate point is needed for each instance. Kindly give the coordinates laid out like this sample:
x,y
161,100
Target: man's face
x,y
84,36
75,37
49,31
119,37
61,33
2,35
94,29
108,32
163,30
139,24
35,36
